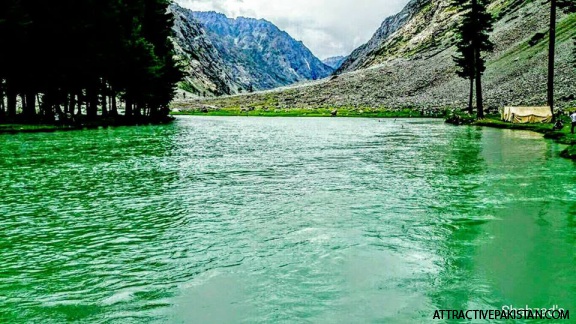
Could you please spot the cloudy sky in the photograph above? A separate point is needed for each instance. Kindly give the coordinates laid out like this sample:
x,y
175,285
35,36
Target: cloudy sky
x,y
327,27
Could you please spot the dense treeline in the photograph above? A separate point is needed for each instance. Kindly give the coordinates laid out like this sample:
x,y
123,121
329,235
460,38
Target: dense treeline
x,y
69,58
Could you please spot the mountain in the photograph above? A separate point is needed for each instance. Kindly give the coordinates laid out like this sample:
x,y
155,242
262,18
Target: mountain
x,y
417,54
206,73
408,63
386,30
334,62
228,56
261,55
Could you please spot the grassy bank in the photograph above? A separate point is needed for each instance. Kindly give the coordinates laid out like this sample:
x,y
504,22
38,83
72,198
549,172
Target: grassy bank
x,y
320,112
19,125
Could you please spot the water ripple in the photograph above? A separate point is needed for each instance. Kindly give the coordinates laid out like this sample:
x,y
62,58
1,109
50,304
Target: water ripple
x,y
265,220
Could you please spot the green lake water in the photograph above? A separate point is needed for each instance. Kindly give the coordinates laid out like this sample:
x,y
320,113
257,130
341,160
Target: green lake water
x,y
264,220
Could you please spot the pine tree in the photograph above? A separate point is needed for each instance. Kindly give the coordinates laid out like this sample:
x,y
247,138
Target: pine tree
x,y
466,70
474,41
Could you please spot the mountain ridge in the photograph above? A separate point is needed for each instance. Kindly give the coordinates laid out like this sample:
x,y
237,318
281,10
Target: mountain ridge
x,y
388,27
409,64
225,55
335,61
205,71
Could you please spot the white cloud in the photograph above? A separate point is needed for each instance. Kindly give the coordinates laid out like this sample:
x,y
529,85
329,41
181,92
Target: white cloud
x,y
327,27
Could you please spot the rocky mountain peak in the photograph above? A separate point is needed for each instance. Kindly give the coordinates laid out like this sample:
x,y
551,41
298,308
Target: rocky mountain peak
x,y
249,54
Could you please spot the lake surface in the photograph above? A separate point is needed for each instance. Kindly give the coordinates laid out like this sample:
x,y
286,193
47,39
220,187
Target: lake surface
x,y
262,220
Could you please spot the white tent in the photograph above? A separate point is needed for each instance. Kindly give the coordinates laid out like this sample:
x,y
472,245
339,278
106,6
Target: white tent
x,y
525,115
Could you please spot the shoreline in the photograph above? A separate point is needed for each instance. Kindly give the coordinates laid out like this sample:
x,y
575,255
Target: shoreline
x,y
320,112
17,127
562,137
23,126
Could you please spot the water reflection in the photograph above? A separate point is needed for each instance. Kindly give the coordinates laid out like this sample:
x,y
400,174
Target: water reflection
x,y
518,254
461,218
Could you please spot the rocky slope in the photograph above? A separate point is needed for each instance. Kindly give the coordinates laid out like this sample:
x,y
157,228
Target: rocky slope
x,y
229,56
335,62
206,73
390,25
408,63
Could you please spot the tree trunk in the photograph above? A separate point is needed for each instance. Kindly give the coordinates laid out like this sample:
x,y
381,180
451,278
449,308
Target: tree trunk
x,y
551,57
44,109
128,110
104,98
471,97
80,99
477,68
30,107
2,106
138,110
72,103
92,110
66,103
104,105
114,104
23,103
10,101
47,106
479,98
38,98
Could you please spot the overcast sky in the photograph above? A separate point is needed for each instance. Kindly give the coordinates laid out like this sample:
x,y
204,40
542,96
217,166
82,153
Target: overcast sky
x,y
327,27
